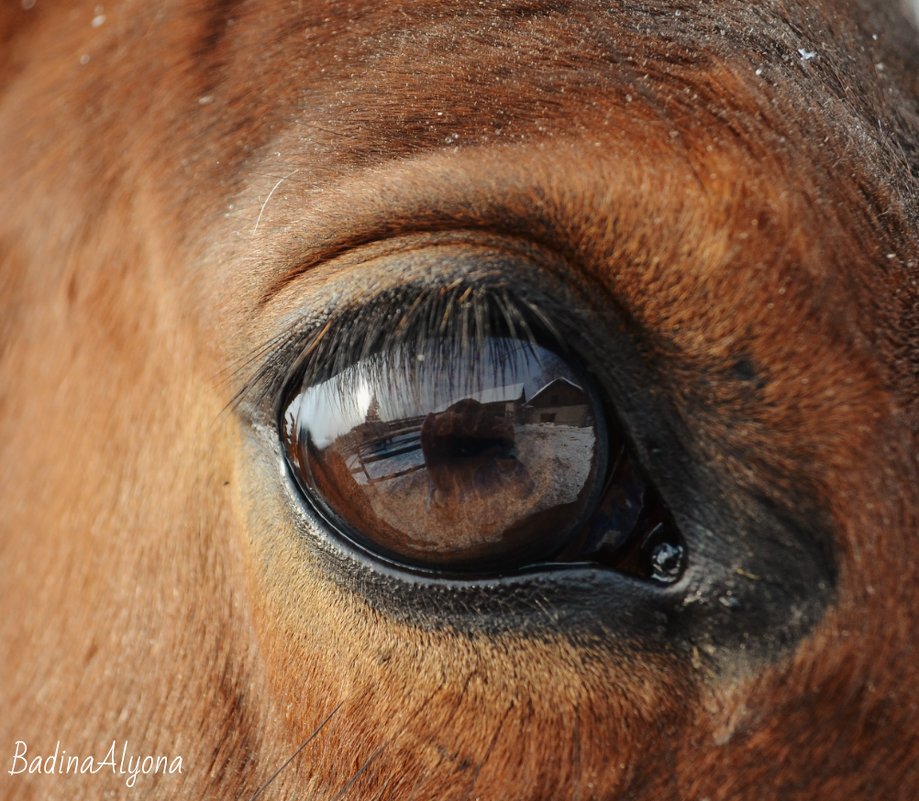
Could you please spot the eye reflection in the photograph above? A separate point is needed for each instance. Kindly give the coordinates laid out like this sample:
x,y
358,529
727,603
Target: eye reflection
x,y
451,458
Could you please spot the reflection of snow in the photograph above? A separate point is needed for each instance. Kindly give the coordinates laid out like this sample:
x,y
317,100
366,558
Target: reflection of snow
x,y
562,381
560,455
508,394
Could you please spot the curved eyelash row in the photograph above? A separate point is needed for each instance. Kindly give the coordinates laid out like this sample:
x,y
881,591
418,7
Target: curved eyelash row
x,y
429,322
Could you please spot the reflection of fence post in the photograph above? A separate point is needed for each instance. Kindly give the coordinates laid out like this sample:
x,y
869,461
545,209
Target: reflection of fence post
x,y
362,468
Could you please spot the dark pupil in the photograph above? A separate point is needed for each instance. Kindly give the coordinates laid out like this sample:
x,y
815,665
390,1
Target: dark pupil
x,y
467,461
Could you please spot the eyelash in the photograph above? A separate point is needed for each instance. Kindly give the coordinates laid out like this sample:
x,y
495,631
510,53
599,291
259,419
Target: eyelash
x,y
415,316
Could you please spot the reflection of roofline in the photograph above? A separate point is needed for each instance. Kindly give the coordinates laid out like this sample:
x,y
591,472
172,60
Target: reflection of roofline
x,y
554,381
514,392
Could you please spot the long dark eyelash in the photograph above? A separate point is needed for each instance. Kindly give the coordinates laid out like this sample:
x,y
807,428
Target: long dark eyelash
x,y
429,321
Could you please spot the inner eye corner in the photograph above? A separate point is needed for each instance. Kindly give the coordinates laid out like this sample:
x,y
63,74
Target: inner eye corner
x,y
472,453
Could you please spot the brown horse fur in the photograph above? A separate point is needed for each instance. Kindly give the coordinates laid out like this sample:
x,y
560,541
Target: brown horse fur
x,y
736,181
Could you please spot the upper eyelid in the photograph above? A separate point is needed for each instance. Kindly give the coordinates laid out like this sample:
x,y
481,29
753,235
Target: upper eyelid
x,y
380,241
456,191
608,224
320,297
435,260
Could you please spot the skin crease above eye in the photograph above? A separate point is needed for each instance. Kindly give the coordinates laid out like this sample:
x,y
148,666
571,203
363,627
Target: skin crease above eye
x,y
719,198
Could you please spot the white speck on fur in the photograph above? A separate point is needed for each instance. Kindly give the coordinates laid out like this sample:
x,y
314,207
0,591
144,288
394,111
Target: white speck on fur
x,y
806,55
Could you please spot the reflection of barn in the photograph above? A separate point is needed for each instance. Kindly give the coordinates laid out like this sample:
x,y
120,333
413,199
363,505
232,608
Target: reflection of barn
x,y
502,401
561,402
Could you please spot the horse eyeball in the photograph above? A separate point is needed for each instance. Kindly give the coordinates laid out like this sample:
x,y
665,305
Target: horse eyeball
x,y
468,461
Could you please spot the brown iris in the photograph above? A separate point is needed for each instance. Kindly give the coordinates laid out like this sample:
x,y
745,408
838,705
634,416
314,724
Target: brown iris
x,y
457,460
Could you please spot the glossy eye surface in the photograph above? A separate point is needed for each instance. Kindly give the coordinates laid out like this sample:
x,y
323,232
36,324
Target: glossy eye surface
x,y
467,461
479,455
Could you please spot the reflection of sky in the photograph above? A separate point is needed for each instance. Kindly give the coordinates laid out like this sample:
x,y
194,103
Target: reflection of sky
x,y
326,412
406,387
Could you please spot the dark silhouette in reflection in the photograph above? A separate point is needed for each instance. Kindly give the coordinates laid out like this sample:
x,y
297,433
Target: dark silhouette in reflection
x,y
469,450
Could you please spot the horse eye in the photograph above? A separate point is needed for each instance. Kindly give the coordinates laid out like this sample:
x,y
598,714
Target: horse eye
x,y
444,459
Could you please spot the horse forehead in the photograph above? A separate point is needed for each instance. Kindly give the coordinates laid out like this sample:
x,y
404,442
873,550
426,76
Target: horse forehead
x,y
521,63
308,97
